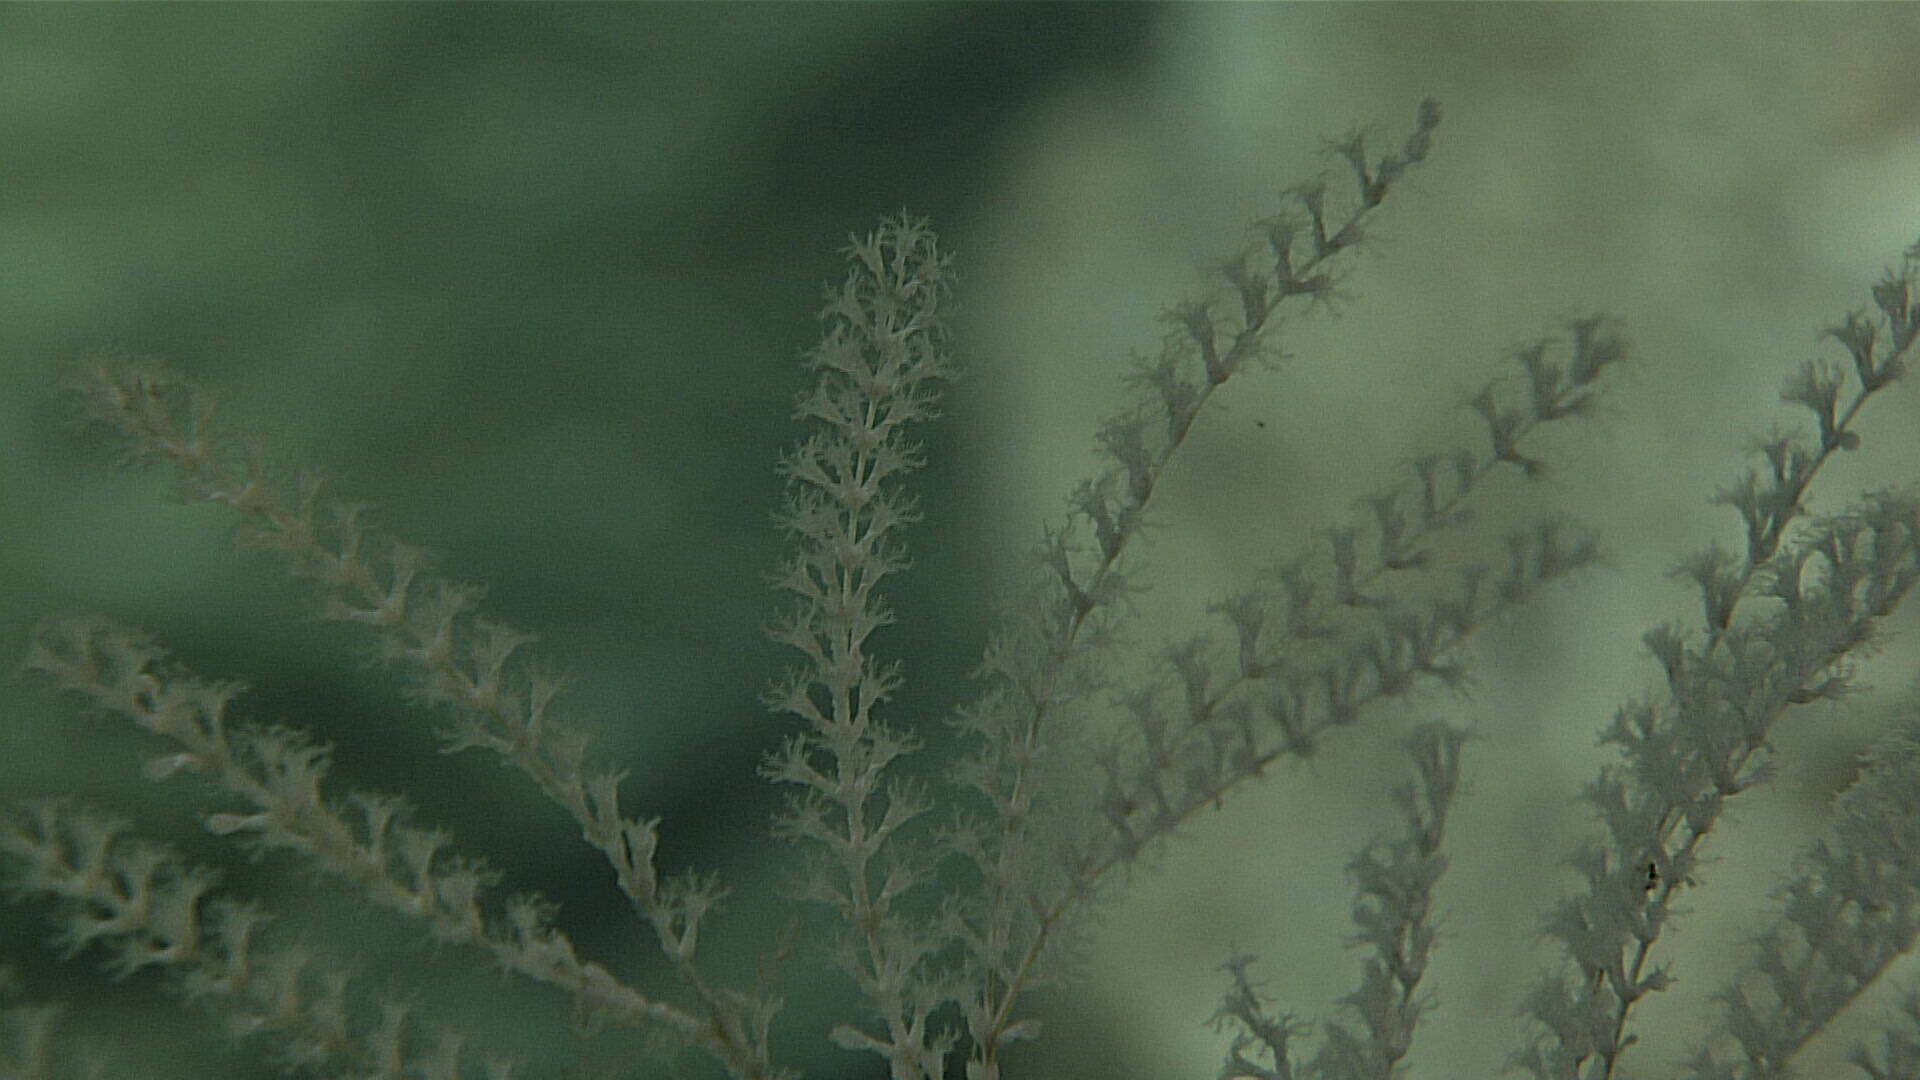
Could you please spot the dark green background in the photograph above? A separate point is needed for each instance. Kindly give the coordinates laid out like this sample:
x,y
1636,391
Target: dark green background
x,y
534,279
